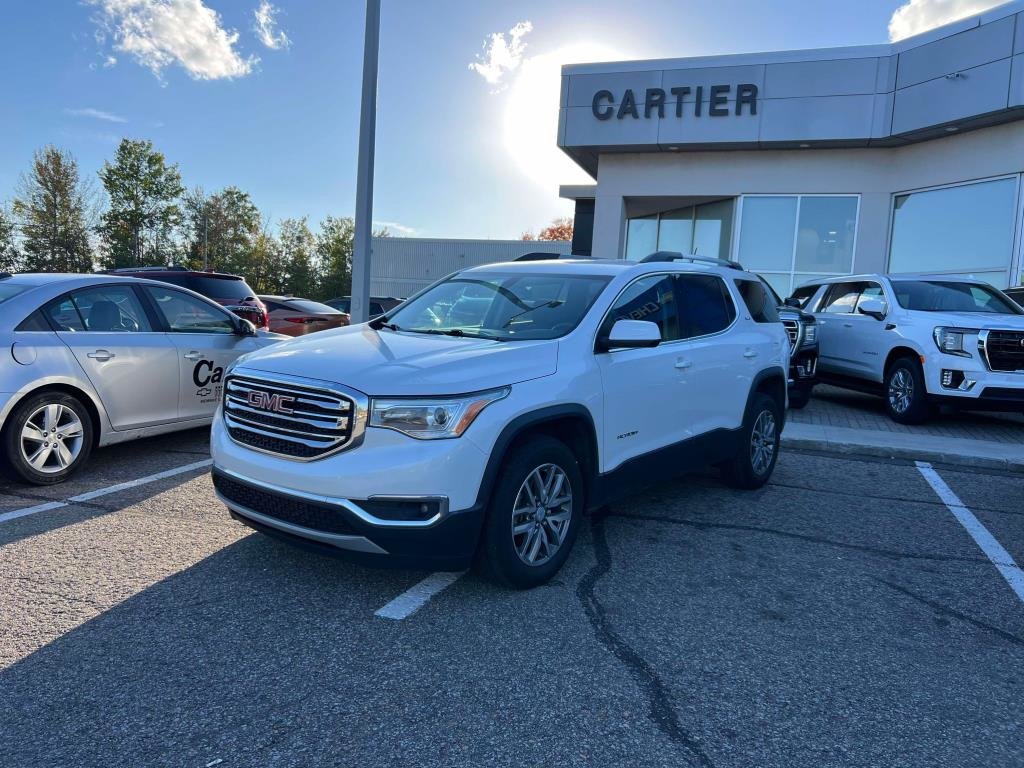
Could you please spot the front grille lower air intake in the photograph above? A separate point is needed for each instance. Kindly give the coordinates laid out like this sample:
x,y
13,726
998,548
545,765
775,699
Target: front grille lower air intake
x,y
292,418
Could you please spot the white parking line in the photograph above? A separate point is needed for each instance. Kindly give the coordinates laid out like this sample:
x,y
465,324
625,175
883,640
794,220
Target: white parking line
x,y
995,552
414,598
90,495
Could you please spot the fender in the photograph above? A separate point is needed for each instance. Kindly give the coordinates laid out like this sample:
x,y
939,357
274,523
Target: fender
x,y
520,425
762,376
86,393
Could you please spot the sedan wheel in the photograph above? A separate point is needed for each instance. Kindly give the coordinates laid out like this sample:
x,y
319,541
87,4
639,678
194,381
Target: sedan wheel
x,y
52,438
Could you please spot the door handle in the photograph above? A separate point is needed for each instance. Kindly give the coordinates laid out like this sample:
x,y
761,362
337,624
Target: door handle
x,y
750,354
682,364
193,355
847,325
102,355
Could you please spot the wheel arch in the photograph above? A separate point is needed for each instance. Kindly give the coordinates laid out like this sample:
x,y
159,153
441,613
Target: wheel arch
x,y
772,382
896,353
95,412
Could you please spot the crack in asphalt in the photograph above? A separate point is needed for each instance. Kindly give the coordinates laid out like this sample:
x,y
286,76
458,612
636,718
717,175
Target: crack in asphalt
x,y
946,610
800,537
661,711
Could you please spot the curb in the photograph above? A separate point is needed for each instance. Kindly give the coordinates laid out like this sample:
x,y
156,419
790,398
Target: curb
x,y
950,451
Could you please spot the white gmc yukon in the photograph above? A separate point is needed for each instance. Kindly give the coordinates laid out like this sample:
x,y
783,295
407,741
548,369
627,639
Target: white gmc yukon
x,y
920,341
480,419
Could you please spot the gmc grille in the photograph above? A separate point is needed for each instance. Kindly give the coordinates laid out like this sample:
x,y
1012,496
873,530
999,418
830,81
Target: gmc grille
x,y
290,419
1003,350
793,331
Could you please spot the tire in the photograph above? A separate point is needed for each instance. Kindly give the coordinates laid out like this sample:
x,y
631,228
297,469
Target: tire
x,y
504,556
31,430
759,445
906,398
800,396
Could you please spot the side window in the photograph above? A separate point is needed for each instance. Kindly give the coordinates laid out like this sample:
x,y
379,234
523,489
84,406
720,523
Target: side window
x,y
870,291
759,302
805,294
841,298
651,298
111,309
705,305
35,322
187,314
63,315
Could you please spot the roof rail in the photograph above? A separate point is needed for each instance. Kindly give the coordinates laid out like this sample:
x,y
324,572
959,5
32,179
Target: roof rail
x,y
693,257
175,268
538,256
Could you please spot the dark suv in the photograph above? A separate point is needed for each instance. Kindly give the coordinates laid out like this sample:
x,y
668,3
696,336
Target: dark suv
x,y
230,291
802,329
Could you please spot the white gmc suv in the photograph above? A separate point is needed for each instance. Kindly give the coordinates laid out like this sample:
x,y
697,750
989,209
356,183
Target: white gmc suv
x,y
919,341
483,416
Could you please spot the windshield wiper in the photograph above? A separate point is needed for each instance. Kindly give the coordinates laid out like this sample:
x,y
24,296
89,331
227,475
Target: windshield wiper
x,y
549,304
390,326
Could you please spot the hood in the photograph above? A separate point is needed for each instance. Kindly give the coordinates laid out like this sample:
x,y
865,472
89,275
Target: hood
x,y
980,320
401,363
792,313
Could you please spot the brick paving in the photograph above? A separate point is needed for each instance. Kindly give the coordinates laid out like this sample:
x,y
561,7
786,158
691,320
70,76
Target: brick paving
x,y
836,407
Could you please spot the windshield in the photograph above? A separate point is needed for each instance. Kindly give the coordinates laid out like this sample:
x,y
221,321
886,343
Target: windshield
x,y
222,288
9,291
506,307
952,296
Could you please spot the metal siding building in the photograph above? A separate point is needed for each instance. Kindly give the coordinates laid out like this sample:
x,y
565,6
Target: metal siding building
x,y
403,265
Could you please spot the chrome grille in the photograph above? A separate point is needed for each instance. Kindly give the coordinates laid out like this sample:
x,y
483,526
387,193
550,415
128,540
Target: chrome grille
x,y
308,422
793,331
1003,350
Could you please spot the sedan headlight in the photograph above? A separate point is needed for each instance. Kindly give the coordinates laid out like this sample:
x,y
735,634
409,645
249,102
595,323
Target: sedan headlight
x,y
951,340
810,333
432,418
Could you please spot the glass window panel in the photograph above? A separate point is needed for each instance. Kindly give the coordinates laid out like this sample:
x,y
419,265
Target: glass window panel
x,y
957,228
111,309
675,233
825,235
641,237
652,299
766,233
706,306
781,283
188,314
712,233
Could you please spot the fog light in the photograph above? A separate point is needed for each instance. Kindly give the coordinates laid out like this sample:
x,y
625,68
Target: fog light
x,y
953,379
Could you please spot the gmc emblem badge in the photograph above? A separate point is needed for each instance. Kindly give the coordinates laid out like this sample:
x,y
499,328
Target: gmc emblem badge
x,y
268,402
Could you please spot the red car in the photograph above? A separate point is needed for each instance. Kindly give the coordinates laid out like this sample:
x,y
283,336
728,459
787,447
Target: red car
x,y
297,317
230,291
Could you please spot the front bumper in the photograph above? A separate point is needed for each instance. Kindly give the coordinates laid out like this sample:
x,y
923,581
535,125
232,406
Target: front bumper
x,y
803,366
972,386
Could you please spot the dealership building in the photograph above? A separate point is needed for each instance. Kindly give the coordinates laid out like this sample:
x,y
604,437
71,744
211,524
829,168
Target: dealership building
x,y
892,158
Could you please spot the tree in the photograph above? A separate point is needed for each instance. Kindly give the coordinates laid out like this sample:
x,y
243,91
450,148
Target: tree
x,y
558,229
138,227
334,246
221,230
301,265
53,208
10,258
268,271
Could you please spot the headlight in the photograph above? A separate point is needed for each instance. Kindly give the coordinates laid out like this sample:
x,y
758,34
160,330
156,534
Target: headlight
x,y
810,333
431,418
951,341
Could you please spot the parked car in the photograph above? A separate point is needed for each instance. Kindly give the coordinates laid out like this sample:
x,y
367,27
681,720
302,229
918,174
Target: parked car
x,y
91,360
298,317
230,291
425,445
1017,294
802,329
920,341
378,304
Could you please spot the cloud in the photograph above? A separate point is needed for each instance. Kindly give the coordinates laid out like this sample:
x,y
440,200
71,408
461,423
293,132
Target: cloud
x,y
272,36
159,33
917,16
502,55
97,114
401,229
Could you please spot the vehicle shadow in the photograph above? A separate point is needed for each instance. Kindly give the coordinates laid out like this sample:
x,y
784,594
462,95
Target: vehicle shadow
x,y
206,662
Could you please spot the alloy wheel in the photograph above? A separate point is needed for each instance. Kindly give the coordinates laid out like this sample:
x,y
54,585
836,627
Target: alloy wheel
x,y
901,390
762,443
541,514
52,438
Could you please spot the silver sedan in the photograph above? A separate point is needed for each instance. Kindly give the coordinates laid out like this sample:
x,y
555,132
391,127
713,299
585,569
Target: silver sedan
x,y
91,360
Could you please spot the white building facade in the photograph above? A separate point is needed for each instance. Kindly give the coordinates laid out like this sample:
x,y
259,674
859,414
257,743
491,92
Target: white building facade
x,y
901,158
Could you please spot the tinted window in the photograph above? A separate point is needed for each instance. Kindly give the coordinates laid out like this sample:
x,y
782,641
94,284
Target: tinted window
x,y
9,291
63,315
841,298
221,287
759,302
951,296
652,299
111,309
706,306
342,305
34,322
187,314
273,306
313,307
376,309
805,294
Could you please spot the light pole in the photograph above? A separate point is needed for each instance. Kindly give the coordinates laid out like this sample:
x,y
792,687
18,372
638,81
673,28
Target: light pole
x,y
364,172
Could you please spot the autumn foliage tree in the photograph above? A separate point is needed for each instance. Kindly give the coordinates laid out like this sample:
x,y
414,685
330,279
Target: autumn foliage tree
x,y
558,229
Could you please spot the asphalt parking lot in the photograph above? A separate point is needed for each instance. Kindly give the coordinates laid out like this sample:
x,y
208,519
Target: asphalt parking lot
x,y
840,616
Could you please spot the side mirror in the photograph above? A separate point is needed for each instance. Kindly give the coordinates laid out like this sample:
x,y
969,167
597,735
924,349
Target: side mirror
x,y
876,308
794,303
631,334
244,327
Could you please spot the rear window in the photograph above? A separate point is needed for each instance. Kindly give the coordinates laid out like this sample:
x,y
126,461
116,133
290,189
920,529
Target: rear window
x,y
10,290
312,307
221,287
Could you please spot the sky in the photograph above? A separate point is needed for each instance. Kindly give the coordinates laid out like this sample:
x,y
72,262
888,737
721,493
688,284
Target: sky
x,y
265,96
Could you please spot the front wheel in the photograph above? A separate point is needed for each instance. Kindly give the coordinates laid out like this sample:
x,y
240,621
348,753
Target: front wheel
x,y
755,460
48,438
905,396
533,516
